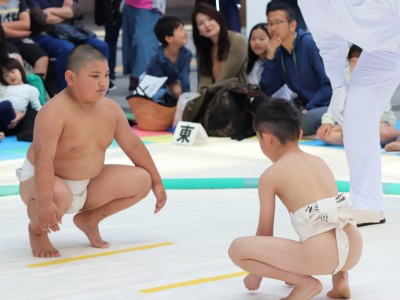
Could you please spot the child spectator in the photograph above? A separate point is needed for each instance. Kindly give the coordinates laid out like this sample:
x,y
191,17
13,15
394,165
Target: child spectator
x,y
19,101
64,171
331,133
330,242
257,54
171,59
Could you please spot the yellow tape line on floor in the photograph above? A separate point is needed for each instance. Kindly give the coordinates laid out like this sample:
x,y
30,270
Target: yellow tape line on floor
x,y
192,282
83,257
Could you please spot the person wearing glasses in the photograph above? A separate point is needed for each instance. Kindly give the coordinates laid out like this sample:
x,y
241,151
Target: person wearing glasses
x,y
293,59
359,104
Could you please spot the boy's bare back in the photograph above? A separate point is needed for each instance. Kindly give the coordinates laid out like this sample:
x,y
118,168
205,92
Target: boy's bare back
x,y
298,179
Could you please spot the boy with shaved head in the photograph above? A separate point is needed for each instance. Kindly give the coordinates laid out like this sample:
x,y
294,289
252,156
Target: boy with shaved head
x,y
64,171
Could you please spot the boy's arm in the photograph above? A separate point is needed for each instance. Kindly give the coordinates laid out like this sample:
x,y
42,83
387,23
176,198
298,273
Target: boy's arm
x,y
22,24
134,148
35,99
267,205
47,131
266,220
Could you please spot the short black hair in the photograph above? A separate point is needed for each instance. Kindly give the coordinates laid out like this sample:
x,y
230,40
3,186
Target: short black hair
x,y
279,117
82,54
286,7
11,64
166,27
354,51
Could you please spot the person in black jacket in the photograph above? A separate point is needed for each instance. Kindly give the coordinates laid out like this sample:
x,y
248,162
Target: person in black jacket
x,y
107,13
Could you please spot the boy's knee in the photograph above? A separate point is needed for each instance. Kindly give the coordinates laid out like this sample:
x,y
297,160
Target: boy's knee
x,y
144,181
62,195
234,249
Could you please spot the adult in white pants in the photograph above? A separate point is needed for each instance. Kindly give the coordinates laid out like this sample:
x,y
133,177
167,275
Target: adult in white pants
x,y
374,26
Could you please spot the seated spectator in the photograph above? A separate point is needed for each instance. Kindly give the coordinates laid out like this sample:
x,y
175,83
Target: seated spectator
x,y
221,52
293,59
46,13
171,59
4,55
221,55
19,101
301,24
393,146
257,53
15,20
230,9
331,133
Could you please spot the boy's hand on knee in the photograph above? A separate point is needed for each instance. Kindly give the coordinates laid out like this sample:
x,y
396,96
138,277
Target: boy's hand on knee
x,y
161,196
49,217
252,282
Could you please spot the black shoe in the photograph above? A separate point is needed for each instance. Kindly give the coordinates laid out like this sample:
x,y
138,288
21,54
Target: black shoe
x,y
381,221
133,83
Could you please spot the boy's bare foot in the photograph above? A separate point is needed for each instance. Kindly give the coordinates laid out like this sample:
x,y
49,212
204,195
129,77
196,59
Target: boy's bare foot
x,y
82,221
309,288
40,244
393,146
340,287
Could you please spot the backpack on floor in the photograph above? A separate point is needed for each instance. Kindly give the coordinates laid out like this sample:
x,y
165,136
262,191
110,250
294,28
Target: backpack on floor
x,y
226,110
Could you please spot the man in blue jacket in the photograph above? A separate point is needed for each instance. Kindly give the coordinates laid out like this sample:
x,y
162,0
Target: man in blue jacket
x,y
293,59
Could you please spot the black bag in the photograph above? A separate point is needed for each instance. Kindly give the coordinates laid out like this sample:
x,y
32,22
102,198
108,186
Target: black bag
x,y
194,109
73,33
226,111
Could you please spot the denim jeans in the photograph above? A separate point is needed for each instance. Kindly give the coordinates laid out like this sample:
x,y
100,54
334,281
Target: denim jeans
x,y
312,120
111,38
7,114
138,38
60,49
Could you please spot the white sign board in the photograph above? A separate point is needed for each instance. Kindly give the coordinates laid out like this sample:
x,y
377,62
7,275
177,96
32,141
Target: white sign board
x,y
189,133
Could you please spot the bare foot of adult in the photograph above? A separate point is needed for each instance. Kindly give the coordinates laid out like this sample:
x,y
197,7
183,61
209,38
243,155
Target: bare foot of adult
x,y
308,288
40,243
393,146
90,228
341,287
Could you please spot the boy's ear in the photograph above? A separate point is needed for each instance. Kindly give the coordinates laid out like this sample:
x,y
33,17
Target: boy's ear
x,y
300,134
267,137
168,39
69,77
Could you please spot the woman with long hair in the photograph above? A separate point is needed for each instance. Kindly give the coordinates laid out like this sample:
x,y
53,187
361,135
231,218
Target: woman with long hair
x,y
221,52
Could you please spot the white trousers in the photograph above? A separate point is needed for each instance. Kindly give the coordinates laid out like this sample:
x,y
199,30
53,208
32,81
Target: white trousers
x,y
371,86
372,83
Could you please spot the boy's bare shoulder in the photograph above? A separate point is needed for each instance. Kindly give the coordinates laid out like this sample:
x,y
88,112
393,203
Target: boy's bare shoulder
x,y
55,105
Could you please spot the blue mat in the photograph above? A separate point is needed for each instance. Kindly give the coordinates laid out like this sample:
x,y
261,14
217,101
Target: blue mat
x,y
319,143
10,148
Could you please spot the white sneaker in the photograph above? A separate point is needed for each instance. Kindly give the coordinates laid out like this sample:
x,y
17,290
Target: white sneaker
x,y
112,86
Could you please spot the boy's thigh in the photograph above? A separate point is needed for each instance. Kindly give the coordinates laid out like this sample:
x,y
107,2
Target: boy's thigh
x,y
62,195
116,182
